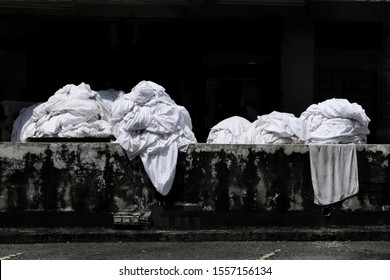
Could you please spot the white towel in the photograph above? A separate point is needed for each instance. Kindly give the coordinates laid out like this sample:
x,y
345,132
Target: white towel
x,y
334,172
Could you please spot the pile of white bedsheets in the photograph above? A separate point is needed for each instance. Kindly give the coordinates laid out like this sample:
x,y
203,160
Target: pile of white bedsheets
x,y
73,111
145,122
228,131
323,126
276,128
336,121
148,123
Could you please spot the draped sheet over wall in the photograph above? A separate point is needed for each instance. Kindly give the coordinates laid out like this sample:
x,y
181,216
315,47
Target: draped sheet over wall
x,y
145,122
148,123
330,128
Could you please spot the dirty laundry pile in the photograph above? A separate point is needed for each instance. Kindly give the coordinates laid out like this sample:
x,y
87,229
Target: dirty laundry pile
x,y
148,123
73,111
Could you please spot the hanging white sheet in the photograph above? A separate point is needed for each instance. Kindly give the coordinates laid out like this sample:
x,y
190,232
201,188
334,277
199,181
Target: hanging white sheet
x,y
334,172
147,122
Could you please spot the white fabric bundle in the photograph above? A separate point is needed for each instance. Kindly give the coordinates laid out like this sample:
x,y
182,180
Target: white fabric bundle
x,y
276,128
147,122
336,121
228,131
334,172
73,111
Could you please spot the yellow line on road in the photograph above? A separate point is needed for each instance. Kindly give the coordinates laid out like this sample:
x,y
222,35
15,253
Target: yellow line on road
x,y
10,256
266,256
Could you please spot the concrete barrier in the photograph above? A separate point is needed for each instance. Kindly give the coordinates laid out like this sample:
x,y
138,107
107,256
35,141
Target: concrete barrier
x,y
215,185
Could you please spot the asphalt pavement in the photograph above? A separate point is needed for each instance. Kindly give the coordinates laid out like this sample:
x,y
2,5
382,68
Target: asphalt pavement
x,y
207,250
279,243
67,234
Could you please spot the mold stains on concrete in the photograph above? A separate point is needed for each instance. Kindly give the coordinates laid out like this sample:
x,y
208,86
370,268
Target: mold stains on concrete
x,y
106,197
49,182
198,179
250,181
97,177
65,196
221,190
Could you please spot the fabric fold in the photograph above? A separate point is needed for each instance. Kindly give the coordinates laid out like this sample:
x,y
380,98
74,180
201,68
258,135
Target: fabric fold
x,y
334,172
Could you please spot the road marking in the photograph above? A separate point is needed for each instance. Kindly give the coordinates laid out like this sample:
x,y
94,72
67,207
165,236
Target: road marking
x,y
10,256
266,256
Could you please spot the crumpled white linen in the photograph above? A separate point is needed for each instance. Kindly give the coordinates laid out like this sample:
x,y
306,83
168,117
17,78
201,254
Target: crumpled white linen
x,y
148,123
73,111
334,172
228,131
336,121
276,128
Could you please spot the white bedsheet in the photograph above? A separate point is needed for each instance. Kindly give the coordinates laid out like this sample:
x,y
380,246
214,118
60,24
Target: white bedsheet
x,y
334,172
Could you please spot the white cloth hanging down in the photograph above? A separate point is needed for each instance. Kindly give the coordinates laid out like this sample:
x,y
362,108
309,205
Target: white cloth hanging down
x,y
334,172
228,131
73,111
147,122
336,121
276,128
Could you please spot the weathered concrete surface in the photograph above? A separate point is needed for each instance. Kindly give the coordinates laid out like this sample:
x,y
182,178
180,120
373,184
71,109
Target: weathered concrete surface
x,y
79,177
228,184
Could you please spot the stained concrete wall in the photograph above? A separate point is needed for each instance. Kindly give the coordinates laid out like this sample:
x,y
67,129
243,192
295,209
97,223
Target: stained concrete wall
x,y
228,184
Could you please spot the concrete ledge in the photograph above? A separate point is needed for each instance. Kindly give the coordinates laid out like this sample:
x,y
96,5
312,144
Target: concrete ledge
x,y
71,184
